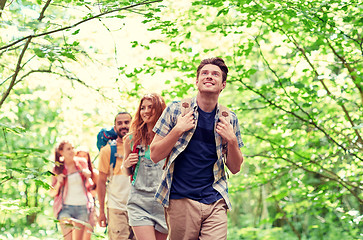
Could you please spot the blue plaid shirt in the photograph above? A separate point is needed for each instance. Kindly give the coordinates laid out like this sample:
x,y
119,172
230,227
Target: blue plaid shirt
x,y
165,124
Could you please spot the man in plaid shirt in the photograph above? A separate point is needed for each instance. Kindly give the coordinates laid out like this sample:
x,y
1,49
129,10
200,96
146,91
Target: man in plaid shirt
x,y
198,145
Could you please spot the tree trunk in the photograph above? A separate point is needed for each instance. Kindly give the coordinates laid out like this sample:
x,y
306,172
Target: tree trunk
x,y
2,5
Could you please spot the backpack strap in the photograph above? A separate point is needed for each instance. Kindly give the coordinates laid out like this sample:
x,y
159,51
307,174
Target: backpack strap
x,y
113,146
135,149
185,106
224,112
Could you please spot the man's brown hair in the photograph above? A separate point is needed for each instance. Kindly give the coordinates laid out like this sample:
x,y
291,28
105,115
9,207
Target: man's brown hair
x,y
215,61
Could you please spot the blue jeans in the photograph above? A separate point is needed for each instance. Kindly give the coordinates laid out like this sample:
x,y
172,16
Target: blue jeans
x,y
74,211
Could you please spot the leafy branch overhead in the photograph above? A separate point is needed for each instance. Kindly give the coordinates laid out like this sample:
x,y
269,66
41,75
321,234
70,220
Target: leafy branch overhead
x,y
46,34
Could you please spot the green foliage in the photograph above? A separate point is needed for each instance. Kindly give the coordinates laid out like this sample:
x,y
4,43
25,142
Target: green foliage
x,y
295,82
41,41
24,161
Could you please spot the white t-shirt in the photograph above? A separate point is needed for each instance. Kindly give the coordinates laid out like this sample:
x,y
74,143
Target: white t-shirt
x,y
76,194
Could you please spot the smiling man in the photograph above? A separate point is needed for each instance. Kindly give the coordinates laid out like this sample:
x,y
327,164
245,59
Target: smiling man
x,y
114,184
199,146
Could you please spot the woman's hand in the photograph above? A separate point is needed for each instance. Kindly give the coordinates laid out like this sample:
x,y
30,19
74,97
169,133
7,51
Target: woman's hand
x,y
60,179
86,172
131,160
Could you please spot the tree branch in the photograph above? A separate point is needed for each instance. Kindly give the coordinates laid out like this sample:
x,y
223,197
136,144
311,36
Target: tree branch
x,y
2,5
30,37
7,179
18,67
337,179
332,175
309,122
41,16
78,23
31,72
333,26
280,83
279,209
351,71
12,83
360,140
302,50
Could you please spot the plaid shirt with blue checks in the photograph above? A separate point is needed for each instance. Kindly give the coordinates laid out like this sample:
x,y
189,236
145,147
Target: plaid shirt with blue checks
x,y
165,124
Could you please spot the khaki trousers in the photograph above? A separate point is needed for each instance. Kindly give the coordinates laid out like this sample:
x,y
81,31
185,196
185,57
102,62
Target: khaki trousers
x,y
191,220
118,225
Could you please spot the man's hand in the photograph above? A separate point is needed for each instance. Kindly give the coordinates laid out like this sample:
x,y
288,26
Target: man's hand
x,y
225,129
102,219
234,157
101,191
161,147
186,122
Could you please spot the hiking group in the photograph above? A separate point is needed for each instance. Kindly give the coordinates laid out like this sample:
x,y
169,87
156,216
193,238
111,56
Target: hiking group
x,y
162,171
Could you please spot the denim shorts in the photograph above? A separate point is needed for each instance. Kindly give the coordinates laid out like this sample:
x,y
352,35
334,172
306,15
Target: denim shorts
x,y
74,211
144,210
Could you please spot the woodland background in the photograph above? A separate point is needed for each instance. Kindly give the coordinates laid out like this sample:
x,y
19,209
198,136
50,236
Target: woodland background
x,y
295,82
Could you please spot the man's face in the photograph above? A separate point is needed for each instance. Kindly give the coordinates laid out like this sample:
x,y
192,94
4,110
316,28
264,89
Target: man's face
x,y
122,124
210,79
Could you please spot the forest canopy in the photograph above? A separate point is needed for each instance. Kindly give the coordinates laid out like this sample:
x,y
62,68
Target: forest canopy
x,y
295,83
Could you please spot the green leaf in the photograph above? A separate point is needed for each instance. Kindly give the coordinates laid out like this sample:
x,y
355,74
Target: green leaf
x,y
187,36
76,32
39,52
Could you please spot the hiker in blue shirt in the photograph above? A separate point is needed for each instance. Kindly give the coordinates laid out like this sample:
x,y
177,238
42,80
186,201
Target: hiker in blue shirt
x,y
198,145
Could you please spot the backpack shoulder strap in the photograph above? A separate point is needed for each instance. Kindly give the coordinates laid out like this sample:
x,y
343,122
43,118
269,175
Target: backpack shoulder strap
x,y
225,112
185,105
113,146
184,108
135,149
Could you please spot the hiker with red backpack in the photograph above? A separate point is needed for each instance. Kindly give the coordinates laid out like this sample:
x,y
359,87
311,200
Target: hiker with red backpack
x,y
112,182
146,215
199,146
71,189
